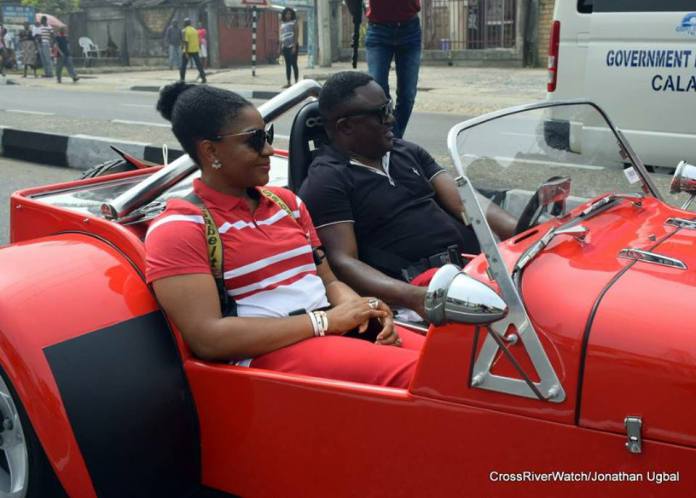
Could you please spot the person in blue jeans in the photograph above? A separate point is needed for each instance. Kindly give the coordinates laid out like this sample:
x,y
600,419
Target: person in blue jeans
x,y
393,33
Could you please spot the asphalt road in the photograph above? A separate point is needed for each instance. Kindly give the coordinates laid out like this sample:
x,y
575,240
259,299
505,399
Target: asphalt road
x,y
17,175
137,110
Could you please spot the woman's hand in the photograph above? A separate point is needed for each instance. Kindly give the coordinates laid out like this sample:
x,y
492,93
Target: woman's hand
x,y
388,335
352,313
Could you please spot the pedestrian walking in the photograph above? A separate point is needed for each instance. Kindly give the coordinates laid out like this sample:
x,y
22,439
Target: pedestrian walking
x,y
172,38
203,41
64,57
27,47
393,33
288,42
45,45
3,50
190,47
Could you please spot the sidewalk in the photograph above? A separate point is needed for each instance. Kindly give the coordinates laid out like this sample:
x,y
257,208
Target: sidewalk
x,y
461,90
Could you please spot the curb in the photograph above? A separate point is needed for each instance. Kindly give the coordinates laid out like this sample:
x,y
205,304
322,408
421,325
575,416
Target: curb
x,y
73,151
247,94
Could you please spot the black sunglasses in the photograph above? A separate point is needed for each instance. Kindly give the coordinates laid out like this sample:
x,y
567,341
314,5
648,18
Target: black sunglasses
x,y
257,138
383,112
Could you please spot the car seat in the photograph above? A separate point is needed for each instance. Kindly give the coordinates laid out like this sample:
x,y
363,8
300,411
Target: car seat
x,y
307,135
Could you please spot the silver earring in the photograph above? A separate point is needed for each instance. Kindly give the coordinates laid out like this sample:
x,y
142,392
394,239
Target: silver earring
x,y
216,164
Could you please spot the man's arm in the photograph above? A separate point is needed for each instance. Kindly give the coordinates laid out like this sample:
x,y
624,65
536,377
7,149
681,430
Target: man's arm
x,y
354,7
502,222
342,251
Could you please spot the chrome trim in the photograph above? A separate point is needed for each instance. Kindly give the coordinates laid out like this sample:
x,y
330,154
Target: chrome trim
x,y
682,223
420,328
453,296
684,179
652,257
570,228
549,387
170,175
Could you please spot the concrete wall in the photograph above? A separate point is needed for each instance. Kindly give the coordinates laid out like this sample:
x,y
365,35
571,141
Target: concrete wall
x,y
544,30
234,32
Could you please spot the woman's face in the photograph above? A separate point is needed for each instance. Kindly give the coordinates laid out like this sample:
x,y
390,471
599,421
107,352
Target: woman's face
x,y
242,165
287,16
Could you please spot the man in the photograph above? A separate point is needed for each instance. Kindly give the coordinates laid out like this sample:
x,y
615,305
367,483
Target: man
x,y
190,47
383,199
172,37
393,32
45,45
64,57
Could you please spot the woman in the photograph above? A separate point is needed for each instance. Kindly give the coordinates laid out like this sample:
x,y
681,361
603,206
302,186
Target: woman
x,y
28,47
279,284
288,42
3,50
203,40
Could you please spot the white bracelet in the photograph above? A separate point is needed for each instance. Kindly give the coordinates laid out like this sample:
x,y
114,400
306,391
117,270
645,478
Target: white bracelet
x,y
315,324
320,322
324,321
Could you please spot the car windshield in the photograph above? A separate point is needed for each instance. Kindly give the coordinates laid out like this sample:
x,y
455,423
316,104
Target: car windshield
x,y
508,157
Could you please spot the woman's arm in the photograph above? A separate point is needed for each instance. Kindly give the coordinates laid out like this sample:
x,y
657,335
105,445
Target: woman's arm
x,y
192,303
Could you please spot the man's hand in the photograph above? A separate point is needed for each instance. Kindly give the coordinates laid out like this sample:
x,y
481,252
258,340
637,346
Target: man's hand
x,y
342,251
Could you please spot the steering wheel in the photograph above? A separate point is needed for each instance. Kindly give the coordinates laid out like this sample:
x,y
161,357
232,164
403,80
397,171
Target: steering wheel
x,y
549,198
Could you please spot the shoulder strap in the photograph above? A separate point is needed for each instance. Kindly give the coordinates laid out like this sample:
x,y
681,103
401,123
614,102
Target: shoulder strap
x,y
278,201
215,255
317,252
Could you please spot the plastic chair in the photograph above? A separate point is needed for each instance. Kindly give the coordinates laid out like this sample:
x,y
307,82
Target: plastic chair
x,y
88,47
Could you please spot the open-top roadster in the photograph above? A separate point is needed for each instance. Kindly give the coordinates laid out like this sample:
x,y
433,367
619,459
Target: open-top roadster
x,y
560,362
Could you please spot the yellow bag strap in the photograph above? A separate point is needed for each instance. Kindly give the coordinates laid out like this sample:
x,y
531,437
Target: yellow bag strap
x,y
215,256
212,238
280,202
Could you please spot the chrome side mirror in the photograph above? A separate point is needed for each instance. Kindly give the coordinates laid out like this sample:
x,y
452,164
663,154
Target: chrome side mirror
x,y
684,179
454,296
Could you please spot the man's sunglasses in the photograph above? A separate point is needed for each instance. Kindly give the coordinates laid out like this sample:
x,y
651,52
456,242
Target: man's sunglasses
x,y
383,112
257,138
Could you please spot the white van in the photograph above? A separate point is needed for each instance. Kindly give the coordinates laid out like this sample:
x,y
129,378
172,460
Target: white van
x,y
637,60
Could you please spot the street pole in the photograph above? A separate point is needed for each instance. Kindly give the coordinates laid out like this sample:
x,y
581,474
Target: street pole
x,y
253,40
324,22
312,35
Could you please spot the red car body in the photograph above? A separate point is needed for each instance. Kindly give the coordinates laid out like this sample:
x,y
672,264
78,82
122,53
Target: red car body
x,y
121,408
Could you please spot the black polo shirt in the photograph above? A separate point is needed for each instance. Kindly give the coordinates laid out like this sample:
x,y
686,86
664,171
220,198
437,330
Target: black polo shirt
x,y
394,213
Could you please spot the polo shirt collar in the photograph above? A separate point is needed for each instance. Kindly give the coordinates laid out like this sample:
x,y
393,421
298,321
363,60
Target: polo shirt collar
x,y
222,200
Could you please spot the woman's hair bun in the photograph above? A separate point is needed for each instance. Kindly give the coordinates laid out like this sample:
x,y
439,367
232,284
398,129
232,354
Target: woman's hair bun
x,y
168,96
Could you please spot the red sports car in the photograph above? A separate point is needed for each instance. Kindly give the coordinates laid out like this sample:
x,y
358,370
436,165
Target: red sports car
x,y
560,362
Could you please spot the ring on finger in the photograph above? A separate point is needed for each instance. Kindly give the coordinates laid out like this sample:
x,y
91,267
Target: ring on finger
x,y
373,303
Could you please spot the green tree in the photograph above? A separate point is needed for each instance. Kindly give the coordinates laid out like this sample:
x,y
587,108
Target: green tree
x,y
53,7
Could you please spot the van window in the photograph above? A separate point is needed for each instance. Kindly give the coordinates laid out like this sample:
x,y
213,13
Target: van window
x,y
585,6
588,6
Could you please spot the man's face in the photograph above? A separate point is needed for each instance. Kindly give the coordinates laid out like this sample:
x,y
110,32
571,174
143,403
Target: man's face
x,y
366,123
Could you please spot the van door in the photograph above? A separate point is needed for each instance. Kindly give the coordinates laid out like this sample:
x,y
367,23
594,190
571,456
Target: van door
x,y
641,68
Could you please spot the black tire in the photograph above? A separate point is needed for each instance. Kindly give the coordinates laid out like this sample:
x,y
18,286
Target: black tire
x,y
40,480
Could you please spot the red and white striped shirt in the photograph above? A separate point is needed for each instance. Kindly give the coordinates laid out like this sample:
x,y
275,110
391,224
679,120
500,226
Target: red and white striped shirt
x,y
268,265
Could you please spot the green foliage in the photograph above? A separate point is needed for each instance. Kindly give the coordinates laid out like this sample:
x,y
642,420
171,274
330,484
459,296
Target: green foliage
x,y
54,7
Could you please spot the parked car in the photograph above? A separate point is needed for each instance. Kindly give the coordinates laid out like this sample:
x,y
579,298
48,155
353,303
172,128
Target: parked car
x,y
560,362
636,60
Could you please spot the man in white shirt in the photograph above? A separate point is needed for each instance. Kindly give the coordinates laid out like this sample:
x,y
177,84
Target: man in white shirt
x,y
45,37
